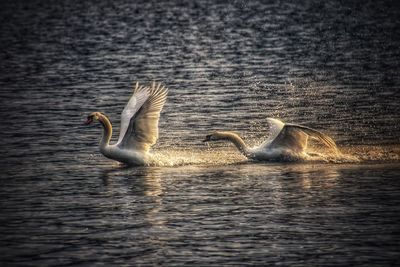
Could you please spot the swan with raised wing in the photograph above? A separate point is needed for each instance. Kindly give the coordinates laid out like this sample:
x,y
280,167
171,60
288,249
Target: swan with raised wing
x,y
286,142
139,126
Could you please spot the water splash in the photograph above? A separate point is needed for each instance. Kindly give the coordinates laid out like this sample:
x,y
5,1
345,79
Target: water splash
x,y
212,157
374,153
228,155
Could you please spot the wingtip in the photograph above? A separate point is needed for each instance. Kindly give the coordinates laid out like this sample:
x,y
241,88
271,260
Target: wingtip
x,y
158,89
275,122
135,86
154,90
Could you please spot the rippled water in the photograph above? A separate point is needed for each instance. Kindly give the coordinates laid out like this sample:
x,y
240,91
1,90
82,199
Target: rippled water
x,y
228,66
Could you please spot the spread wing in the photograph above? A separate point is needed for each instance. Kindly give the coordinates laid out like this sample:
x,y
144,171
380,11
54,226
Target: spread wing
x,y
140,95
142,131
295,137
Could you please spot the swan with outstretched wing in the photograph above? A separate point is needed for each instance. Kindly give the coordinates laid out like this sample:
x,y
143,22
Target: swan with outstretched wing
x,y
139,126
286,142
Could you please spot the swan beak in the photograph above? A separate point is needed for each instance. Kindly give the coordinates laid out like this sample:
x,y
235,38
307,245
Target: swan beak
x,y
208,138
88,121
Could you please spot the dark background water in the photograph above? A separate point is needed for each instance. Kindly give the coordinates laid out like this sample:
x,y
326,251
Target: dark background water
x,y
332,65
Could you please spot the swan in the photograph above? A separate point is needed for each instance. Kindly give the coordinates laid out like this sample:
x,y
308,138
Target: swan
x,y
139,126
286,142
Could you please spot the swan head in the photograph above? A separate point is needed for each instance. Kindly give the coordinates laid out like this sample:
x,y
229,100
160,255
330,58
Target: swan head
x,y
215,136
94,116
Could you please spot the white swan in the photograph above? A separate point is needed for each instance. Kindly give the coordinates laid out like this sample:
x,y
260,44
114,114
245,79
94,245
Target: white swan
x,y
287,142
139,126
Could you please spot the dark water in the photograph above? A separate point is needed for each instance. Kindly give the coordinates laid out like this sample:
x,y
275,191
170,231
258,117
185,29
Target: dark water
x,y
330,65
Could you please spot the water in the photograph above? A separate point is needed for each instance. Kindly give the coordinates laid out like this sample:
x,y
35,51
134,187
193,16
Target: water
x,y
228,66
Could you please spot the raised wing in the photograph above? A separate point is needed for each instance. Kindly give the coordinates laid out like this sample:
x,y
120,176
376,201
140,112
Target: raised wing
x,y
275,127
140,95
142,132
295,137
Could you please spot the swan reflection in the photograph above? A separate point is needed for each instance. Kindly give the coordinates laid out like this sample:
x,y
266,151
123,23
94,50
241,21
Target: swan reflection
x,y
144,181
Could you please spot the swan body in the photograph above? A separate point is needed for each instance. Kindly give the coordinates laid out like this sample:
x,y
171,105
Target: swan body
x,y
139,126
286,142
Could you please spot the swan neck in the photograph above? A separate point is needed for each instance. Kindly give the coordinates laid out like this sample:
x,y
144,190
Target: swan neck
x,y
238,142
107,131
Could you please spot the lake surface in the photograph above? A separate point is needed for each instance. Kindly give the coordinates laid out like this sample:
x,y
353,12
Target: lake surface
x,y
329,65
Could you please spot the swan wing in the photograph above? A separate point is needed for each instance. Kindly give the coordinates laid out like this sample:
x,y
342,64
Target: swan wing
x,y
315,134
275,127
142,131
139,97
295,137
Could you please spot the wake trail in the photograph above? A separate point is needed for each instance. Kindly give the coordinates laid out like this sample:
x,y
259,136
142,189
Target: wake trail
x,y
228,155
